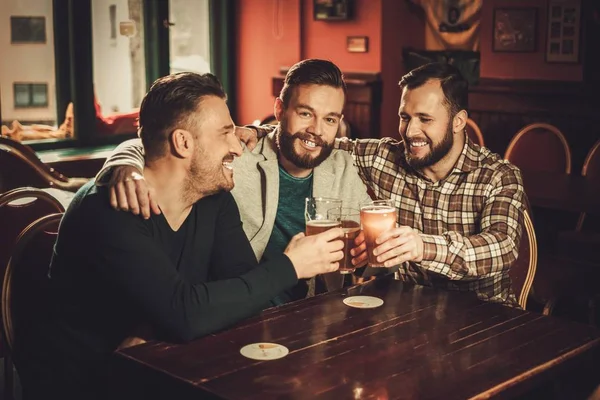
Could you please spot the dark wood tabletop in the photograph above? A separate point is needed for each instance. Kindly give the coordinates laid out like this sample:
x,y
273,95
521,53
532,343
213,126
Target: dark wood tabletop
x,y
562,192
421,343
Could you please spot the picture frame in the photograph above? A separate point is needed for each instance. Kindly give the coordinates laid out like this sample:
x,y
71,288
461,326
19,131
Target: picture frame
x,y
27,30
514,30
332,10
564,31
357,44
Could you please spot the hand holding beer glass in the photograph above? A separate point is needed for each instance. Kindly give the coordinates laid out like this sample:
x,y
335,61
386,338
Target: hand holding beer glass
x,y
376,217
349,219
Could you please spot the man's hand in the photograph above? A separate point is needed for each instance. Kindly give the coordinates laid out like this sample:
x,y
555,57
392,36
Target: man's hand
x,y
399,245
316,254
247,135
359,252
130,192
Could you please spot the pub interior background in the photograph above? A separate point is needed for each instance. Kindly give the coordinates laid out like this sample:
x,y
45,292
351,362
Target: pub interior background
x,y
74,72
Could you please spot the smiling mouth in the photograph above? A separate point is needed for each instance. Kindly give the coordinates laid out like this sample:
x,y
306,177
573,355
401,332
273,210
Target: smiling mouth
x,y
228,165
309,143
418,143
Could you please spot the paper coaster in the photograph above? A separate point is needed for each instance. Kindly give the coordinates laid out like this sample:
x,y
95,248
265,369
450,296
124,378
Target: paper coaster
x,y
363,301
264,351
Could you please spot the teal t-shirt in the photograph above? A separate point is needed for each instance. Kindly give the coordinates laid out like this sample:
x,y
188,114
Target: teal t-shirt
x,y
288,222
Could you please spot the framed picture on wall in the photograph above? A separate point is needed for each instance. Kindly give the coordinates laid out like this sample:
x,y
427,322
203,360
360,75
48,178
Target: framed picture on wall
x,y
332,10
514,29
564,21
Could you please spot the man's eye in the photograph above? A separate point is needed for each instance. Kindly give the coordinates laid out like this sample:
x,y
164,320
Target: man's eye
x,y
425,120
331,120
404,118
305,114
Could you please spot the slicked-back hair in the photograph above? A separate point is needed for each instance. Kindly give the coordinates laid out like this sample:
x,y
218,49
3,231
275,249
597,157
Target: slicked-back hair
x,y
311,72
169,104
454,85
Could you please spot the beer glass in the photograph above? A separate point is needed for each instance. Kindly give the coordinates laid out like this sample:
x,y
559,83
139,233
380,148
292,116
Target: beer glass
x,y
349,219
315,214
376,217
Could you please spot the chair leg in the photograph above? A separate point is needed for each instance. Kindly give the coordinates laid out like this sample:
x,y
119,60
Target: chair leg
x,y
592,310
549,306
9,378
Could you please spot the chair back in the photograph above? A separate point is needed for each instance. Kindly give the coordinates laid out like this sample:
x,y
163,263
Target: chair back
x,y
474,133
540,147
25,286
18,208
591,169
523,270
15,156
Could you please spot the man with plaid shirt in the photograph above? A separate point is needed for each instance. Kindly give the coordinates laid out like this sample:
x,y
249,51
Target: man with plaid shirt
x,y
460,206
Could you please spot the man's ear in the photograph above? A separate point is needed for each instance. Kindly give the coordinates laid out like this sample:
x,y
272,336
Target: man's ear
x,y
278,109
460,121
182,143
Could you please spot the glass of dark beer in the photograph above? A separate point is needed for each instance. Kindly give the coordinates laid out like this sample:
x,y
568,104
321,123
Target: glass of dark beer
x,y
315,214
376,217
349,219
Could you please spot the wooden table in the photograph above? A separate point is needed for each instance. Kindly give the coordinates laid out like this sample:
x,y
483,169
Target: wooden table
x,y
422,343
562,192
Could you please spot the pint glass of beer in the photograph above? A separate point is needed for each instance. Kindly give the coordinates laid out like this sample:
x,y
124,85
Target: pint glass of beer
x,y
315,214
349,219
376,217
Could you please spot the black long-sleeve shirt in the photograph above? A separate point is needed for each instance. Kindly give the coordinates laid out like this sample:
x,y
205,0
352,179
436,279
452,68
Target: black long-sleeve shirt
x,y
113,271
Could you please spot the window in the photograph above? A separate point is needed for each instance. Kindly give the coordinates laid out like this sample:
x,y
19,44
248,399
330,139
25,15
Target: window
x,y
83,66
27,29
189,43
119,65
30,95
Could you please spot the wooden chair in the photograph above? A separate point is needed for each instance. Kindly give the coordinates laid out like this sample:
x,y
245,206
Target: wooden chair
x,y
19,208
20,167
540,147
474,133
26,283
591,169
523,270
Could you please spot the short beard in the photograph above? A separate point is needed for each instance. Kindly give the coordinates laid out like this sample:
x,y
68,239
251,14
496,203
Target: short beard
x,y
200,180
286,146
437,152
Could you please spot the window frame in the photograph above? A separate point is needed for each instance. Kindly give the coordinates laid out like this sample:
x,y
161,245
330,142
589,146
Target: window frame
x,y
30,86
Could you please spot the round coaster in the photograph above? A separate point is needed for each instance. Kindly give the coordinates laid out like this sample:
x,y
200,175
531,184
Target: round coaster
x,y
264,351
363,301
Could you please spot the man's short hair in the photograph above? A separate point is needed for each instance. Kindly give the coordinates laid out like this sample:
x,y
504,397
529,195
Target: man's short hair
x,y
169,104
454,85
311,72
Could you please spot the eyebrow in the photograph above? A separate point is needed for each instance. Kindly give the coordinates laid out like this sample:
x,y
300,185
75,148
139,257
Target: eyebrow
x,y
313,110
417,114
227,128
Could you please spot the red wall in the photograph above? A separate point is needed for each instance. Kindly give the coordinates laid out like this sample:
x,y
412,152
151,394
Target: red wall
x,y
403,25
521,65
327,40
268,38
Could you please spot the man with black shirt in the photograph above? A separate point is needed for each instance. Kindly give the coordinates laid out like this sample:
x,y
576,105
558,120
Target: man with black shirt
x,y
185,273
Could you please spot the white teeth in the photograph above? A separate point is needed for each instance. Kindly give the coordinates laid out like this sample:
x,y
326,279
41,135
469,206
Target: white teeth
x,y
309,143
418,144
228,165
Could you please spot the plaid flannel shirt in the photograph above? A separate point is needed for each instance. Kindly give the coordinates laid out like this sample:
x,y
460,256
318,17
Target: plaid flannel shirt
x,y
470,222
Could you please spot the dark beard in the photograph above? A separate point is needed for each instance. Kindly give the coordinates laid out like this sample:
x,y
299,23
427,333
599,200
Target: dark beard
x,y
437,152
286,146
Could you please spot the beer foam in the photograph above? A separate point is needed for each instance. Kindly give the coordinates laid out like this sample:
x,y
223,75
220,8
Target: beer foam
x,y
378,209
323,223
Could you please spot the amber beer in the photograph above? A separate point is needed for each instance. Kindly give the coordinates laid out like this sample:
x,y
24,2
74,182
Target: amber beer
x,y
350,223
376,218
317,226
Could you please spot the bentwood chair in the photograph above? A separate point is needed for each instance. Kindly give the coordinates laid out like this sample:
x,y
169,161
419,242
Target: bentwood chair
x,y
540,147
523,270
18,208
25,287
474,133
